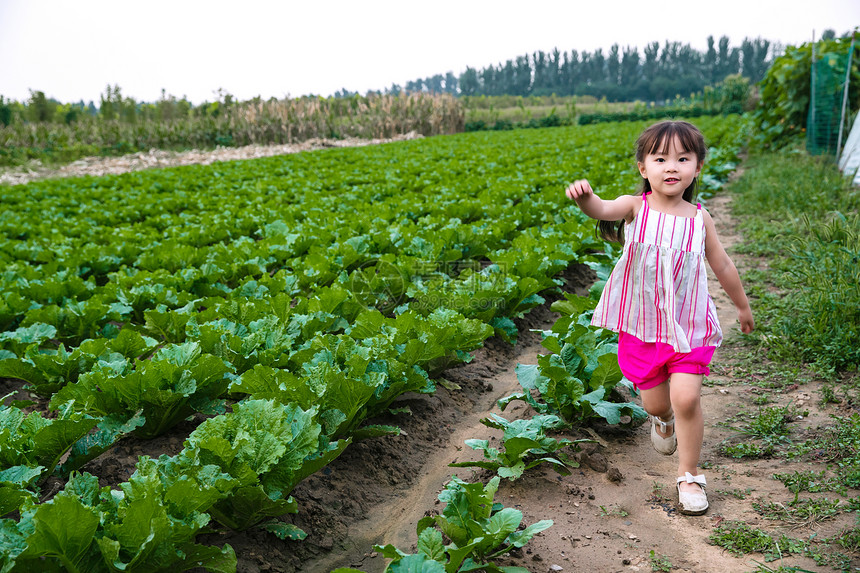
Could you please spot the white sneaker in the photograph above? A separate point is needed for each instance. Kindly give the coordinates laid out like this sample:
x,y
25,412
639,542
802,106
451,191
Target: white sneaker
x,y
692,503
667,445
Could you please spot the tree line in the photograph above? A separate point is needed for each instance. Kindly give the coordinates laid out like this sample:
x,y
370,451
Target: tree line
x,y
622,74
112,106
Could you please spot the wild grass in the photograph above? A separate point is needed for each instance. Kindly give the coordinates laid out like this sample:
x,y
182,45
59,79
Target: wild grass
x,y
801,512
839,445
802,214
517,109
765,431
741,539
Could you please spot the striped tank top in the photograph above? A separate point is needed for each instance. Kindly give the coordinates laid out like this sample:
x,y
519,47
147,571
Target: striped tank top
x,y
658,290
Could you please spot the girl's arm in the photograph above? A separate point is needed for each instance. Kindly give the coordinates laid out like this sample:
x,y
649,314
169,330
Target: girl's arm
x,y
727,274
623,207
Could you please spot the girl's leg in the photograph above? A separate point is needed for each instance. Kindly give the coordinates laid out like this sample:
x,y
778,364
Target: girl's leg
x,y
685,392
657,402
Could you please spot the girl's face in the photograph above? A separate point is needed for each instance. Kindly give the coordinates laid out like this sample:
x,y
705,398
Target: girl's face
x,y
671,170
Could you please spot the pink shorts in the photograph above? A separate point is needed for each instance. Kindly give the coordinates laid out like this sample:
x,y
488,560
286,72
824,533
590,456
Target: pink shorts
x,y
649,364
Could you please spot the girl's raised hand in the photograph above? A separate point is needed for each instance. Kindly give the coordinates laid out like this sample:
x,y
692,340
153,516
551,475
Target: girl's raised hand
x,y
579,188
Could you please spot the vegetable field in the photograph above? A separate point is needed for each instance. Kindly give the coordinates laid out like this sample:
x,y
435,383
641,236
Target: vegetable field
x,y
273,307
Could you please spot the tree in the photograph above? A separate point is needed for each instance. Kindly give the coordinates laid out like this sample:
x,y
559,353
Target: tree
x,y
451,83
598,66
434,84
629,67
554,65
39,108
728,60
613,66
710,62
541,71
110,101
754,63
5,112
469,84
523,76
488,77
649,68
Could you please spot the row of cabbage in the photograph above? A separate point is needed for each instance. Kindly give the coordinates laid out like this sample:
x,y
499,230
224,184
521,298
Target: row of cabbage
x,y
289,300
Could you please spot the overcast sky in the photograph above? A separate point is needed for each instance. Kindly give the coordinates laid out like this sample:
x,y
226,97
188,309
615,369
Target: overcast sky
x,y
72,49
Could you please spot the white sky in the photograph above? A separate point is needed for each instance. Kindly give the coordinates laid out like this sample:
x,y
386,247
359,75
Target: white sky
x,y
72,49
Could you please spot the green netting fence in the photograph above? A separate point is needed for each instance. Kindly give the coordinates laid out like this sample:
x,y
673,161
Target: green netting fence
x,y
826,123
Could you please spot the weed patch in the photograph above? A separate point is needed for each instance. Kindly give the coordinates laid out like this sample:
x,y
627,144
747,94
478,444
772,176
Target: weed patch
x,y
839,444
800,513
766,431
736,493
659,562
810,481
739,538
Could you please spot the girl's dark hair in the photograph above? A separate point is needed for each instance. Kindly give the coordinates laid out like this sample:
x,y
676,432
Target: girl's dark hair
x,y
656,139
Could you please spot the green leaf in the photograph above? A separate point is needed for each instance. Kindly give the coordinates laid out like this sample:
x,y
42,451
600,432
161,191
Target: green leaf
x,y
506,401
63,528
21,475
12,497
607,373
34,334
417,563
505,328
375,431
431,544
132,344
528,375
389,551
612,411
573,305
12,541
212,559
513,471
521,537
457,554
84,486
504,522
247,506
284,530
17,369
52,441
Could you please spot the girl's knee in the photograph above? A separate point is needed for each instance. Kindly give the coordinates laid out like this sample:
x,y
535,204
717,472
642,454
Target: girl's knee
x,y
656,401
661,411
686,404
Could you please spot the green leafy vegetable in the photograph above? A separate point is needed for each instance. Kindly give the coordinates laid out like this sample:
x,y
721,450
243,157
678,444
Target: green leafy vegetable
x,y
178,381
268,448
526,446
478,530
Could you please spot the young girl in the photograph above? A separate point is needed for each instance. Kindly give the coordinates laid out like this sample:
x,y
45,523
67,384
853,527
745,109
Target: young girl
x,y
657,295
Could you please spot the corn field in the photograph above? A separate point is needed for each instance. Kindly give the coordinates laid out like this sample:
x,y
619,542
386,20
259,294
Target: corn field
x,y
253,122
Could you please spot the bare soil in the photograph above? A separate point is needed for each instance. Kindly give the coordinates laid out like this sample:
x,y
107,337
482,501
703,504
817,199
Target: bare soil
x,y
614,510
155,158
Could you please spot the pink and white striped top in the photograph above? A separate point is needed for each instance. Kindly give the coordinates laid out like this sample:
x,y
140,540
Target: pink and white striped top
x,y
658,290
